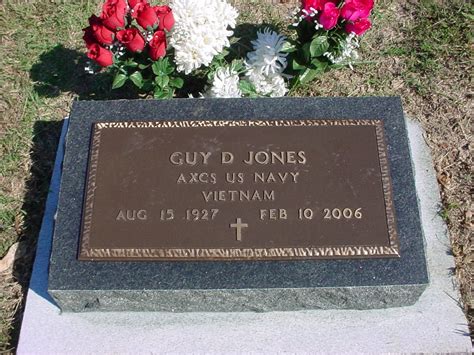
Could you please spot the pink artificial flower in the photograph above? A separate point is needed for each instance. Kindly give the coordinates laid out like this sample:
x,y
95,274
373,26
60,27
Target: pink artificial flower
x,y
308,6
358,27
329,16
352,10
315,4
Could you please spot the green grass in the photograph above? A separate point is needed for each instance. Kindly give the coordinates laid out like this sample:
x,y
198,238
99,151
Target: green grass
x,y
447,210
420,50
7,220
439,34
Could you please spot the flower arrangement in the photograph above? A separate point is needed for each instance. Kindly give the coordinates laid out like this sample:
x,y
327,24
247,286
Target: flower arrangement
x,y
131,38
158,48
327,35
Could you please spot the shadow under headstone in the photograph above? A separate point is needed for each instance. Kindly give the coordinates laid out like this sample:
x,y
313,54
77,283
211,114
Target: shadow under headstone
x,y
42,156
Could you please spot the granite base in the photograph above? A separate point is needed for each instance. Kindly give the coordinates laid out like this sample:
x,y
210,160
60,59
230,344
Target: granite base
x,y
236,285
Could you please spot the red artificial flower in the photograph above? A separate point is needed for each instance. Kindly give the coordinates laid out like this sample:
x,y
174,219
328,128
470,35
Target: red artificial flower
x,y
101,33
329,16
358,27
352,10
113,14
165,16
131,39
133,3
102,56
158,45
145,15
89,37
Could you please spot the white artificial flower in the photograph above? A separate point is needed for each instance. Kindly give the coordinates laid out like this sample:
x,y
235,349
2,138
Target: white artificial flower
x,y
267,55
266,63
302,14
348,52
89,68
200,31
225,84
272,85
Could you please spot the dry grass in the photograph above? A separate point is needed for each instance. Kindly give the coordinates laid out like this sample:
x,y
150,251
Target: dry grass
x,y
420,50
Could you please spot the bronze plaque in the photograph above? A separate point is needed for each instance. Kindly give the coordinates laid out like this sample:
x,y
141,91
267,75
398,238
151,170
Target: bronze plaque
x,y
238,190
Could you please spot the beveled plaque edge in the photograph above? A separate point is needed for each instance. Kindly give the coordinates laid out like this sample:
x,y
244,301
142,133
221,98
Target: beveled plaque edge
x,y
86,253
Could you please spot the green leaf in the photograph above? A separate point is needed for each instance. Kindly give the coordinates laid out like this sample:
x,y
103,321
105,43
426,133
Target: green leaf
x,y
163,94
157,67
162,67
288,47
162,80
131,63
143,66
305,52
169,69
119,80
177,83
319,46
237,65
297,66
308,75
137,79
247,87
319,65
148,85
218,58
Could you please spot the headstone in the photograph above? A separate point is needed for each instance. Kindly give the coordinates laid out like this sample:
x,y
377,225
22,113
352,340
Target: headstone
x,y
237,205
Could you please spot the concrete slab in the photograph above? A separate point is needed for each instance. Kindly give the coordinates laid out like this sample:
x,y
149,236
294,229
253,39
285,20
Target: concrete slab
x,y
435,323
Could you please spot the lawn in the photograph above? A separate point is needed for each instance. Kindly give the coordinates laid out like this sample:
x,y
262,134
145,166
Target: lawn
x,y
419,50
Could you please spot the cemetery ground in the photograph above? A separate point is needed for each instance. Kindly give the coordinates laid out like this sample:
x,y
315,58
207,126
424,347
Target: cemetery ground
x,y
419,50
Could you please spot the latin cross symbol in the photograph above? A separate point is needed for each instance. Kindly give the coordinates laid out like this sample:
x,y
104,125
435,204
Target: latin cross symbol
x,y
238,231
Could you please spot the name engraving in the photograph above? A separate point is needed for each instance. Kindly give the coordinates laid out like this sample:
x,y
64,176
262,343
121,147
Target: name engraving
x,y
261,157
309,189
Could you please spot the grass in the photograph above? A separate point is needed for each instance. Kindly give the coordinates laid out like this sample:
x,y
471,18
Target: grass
x,y
440,35
420,50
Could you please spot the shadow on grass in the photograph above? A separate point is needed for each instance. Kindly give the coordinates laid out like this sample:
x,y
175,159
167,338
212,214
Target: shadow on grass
x,y
61,70
42,154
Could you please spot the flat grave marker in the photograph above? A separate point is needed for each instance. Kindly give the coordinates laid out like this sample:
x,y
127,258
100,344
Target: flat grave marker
x,y
238,190
237,205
